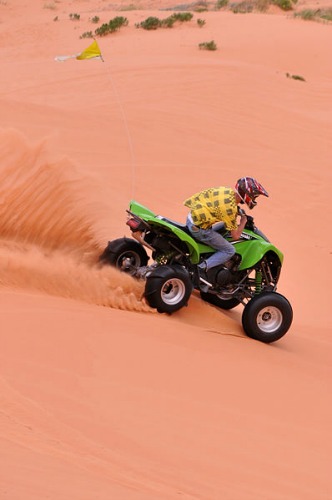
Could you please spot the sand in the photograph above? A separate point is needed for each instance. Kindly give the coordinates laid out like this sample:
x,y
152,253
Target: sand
x,y
102,397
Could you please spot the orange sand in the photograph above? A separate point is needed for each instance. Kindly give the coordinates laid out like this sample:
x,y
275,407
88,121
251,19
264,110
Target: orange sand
x,y
119,402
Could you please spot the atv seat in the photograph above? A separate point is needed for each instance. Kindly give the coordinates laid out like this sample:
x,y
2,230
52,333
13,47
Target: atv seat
x,y
183,227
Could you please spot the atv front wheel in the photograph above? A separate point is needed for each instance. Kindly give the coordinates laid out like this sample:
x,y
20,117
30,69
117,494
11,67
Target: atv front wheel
x,y
267,317
168,288
126,254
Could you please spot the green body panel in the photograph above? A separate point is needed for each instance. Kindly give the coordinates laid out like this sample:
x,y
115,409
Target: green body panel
x,y
140,210
251,250
195,248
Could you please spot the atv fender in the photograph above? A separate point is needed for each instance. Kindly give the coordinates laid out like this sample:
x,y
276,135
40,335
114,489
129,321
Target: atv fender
x,y
253,251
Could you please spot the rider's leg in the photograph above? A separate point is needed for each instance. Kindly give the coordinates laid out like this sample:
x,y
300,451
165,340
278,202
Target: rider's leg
x,y
225,250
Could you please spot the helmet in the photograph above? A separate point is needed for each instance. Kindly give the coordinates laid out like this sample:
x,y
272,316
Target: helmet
x,y
248,189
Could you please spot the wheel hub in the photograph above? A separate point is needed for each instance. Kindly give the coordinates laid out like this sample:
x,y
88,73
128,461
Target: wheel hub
x,y
269,319
128,262
173,291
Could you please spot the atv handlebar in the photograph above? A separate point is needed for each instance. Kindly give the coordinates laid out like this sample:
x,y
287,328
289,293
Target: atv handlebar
x,y
250,220
250,223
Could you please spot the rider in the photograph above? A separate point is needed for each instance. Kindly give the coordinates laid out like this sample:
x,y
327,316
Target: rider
x,y
215,205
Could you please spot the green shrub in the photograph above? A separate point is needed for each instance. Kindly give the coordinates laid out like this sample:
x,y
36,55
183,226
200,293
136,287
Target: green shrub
x,y
201,22
153,23
284,4
306,14
150,23
103,30
243,7
208,45
262,5
221,4
87,34
182,17
315,15
117,22
168,22
113,25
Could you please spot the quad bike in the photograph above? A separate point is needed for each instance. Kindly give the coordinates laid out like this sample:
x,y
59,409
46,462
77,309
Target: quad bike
x,y
250,278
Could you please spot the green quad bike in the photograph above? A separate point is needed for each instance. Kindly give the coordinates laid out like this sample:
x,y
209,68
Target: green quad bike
x,y
250,279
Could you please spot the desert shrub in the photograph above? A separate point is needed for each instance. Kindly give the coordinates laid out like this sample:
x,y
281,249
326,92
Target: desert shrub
x,y
246,6
103,30
306,14
153,23
221,4
208,45
182,17
284,4
201,22
262,5
326,14
150,23
315,14
117,22
95,19
87,34
113,25
243,7
75,17
168,22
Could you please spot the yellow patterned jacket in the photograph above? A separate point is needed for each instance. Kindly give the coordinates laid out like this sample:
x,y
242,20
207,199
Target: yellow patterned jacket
x,y
213,205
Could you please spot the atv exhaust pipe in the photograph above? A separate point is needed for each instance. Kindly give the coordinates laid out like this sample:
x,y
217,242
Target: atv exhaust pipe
x,y
138,235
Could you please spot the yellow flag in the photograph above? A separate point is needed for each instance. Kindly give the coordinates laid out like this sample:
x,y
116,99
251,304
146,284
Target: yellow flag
x,y
92,51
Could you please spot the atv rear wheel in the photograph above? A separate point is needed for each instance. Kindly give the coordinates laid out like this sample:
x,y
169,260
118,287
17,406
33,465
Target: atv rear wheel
x,y
125,254
267,317
168,288
218,302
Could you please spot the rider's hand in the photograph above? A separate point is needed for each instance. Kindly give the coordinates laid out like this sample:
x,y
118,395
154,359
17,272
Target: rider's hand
x,y
243,220
236,233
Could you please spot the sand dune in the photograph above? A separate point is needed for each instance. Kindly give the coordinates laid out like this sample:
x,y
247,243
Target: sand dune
x,y
102,397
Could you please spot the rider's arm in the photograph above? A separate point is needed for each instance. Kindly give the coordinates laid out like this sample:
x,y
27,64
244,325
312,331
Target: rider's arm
x,y
236,233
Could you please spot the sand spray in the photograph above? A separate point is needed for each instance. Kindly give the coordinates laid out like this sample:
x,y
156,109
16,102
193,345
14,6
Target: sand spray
x,y
49,230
